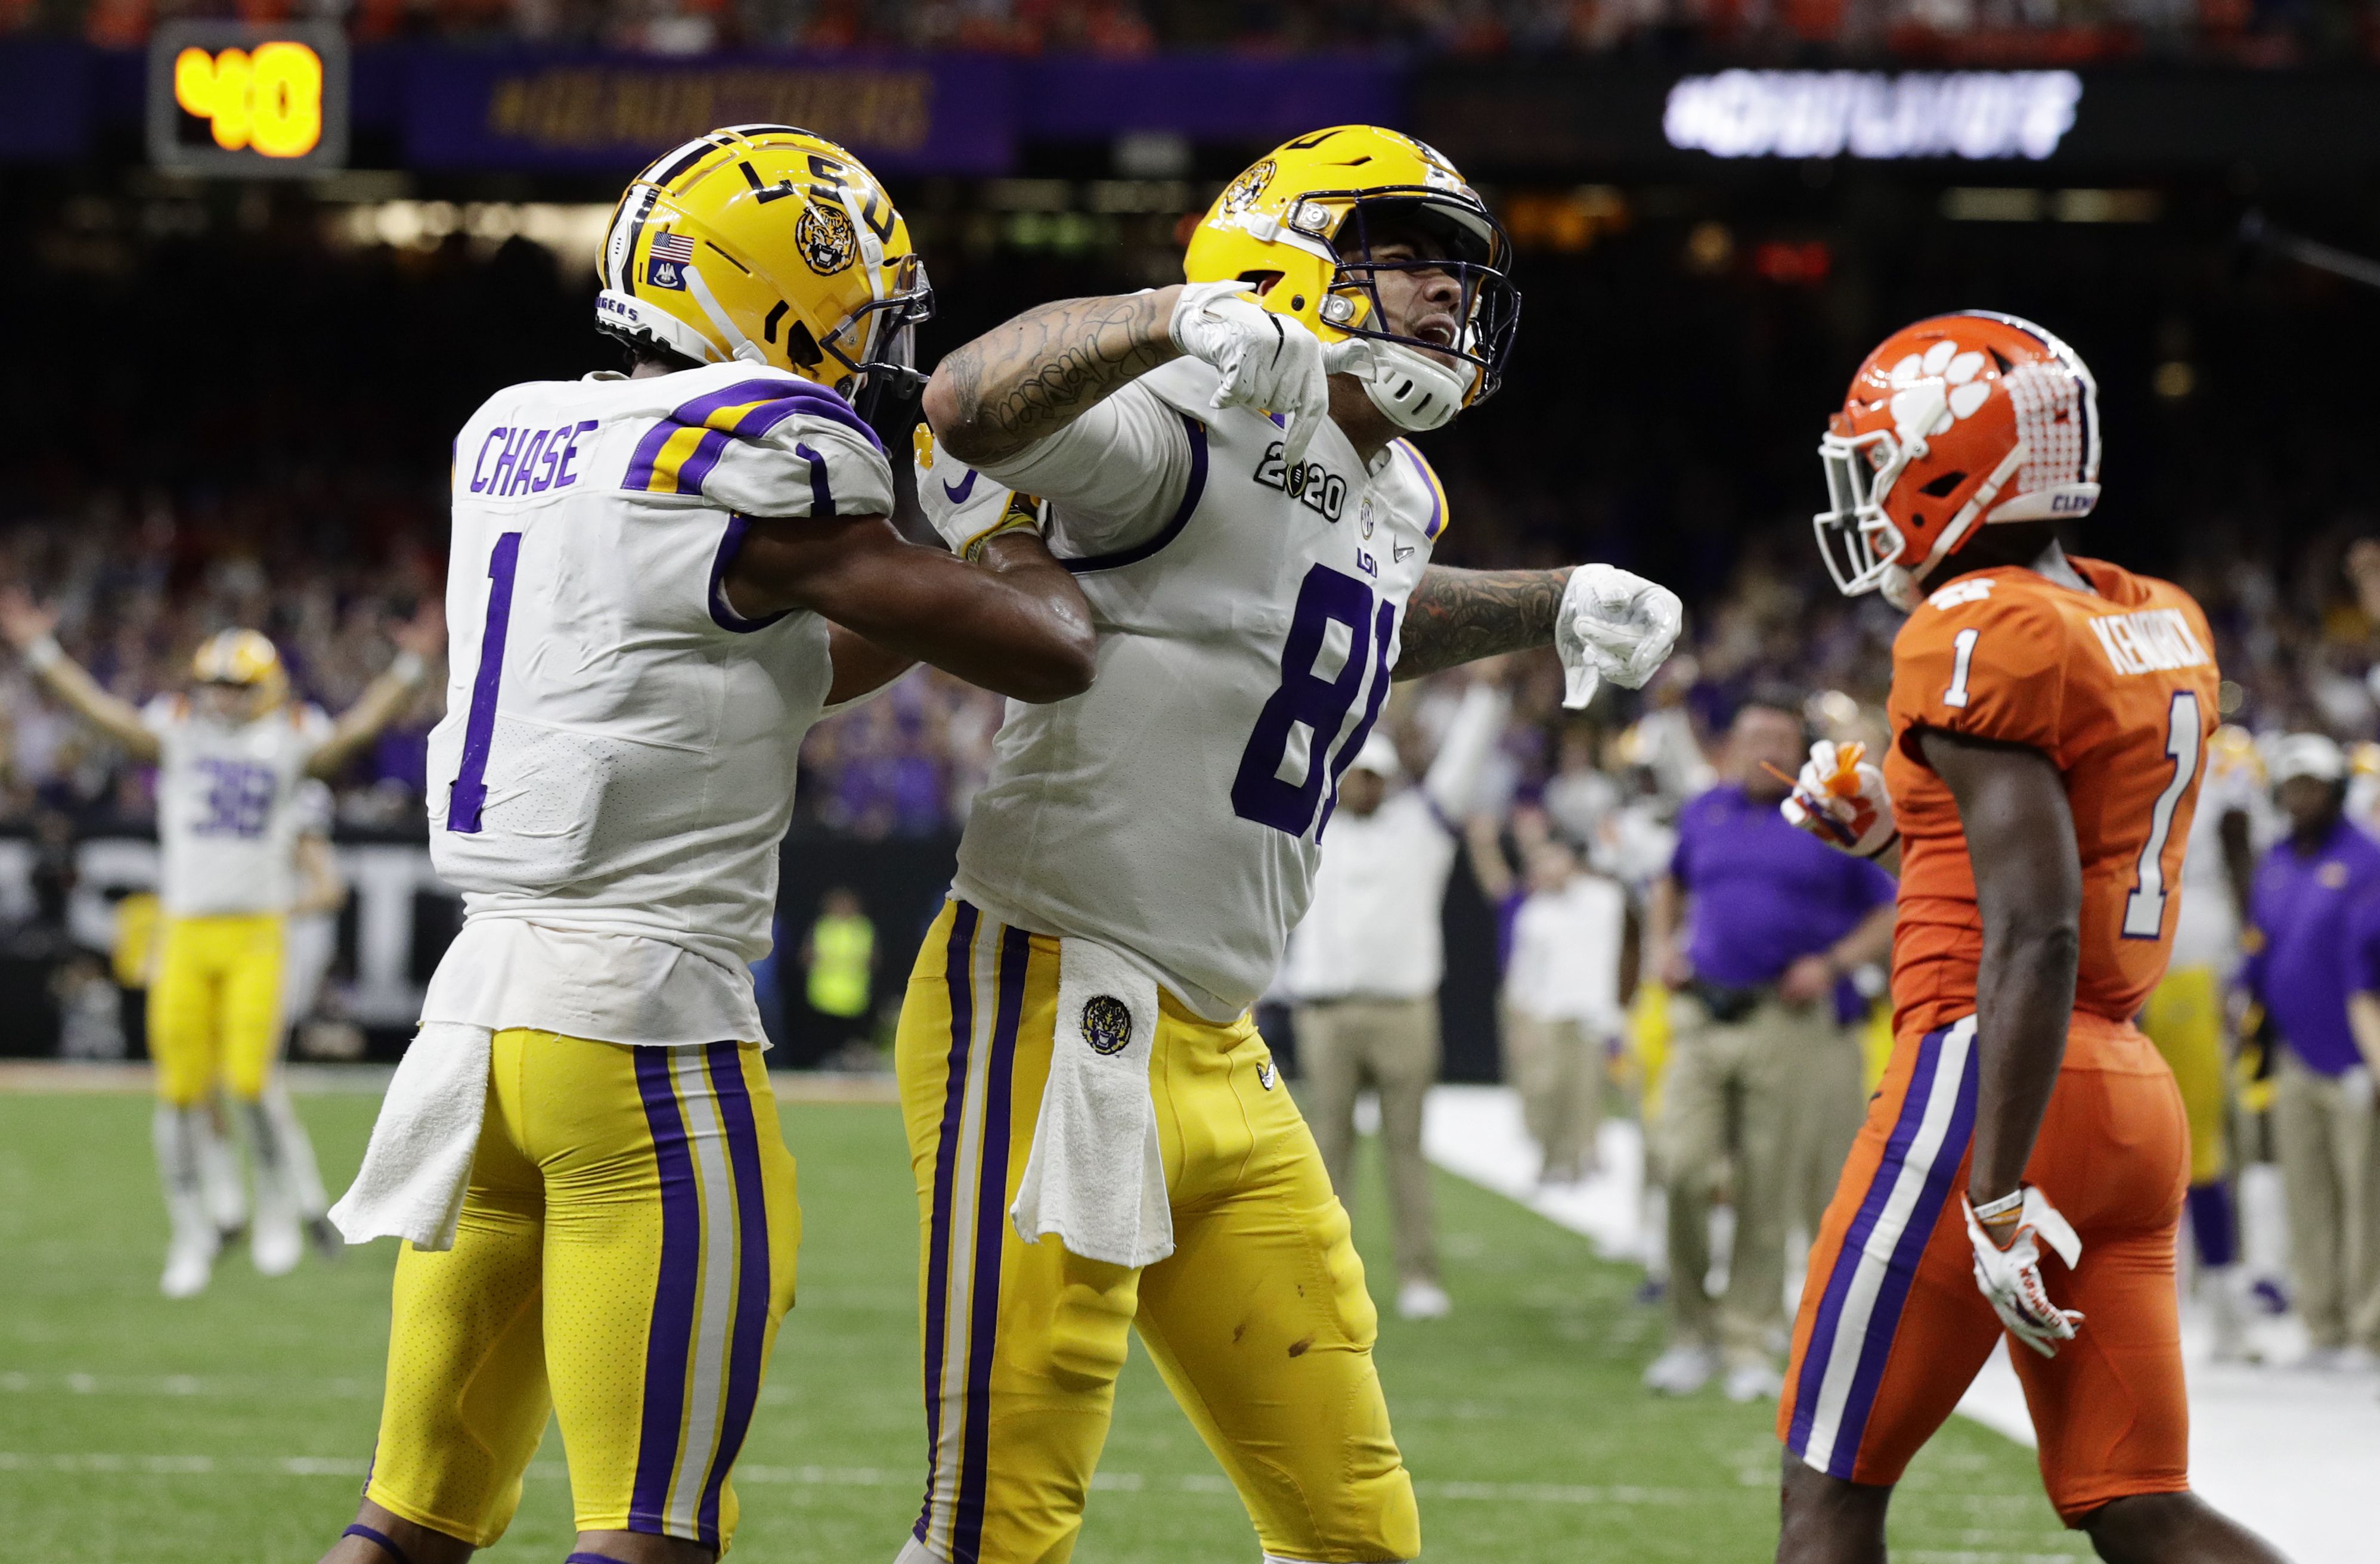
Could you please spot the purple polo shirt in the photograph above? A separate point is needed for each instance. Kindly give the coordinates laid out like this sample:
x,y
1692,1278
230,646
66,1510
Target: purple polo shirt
x,y
2319,917
1765,895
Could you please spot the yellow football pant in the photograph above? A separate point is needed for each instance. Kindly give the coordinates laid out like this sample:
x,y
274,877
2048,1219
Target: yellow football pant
x,y
1258,1321
2185,1019
625,1253
215,1006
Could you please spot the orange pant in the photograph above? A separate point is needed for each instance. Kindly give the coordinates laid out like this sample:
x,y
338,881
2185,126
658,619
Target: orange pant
x,y
1893,1329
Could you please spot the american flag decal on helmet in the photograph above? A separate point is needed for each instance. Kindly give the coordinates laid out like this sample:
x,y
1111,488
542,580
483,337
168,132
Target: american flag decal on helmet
x,y
674,246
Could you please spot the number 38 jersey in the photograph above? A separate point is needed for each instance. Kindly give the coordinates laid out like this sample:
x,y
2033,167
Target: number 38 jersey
x,y
618,751
2118,691
1247,621
227,805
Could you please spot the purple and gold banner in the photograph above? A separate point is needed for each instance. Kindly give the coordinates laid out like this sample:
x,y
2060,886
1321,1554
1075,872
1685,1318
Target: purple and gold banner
x,y
945,114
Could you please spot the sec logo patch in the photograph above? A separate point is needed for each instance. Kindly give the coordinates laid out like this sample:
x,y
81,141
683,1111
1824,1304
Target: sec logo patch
x,y
1107,1024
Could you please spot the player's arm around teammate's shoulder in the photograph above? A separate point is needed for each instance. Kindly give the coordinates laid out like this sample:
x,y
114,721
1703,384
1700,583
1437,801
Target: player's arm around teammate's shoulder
x,y
419,641
1012,620
32,630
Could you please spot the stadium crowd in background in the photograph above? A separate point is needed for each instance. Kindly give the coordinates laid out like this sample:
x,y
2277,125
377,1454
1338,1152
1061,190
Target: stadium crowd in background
x,y
2259,32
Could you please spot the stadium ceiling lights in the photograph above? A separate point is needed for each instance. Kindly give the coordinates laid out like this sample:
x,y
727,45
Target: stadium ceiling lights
x,y
1811,114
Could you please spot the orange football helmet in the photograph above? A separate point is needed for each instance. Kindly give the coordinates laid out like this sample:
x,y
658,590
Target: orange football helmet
x,y
1953,422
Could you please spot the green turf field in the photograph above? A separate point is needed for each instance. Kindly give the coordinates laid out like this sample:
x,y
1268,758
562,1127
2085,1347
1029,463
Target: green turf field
x,y
233,1428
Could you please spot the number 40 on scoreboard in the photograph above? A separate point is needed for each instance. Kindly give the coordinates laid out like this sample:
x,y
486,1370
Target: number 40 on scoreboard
x,y
247,99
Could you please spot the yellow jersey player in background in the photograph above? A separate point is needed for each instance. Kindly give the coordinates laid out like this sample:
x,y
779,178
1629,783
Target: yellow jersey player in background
x,y
659,581
231,757
1099,1137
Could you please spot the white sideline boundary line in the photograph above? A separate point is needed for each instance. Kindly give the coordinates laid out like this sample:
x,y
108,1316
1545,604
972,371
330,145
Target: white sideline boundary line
x,y
2288,1454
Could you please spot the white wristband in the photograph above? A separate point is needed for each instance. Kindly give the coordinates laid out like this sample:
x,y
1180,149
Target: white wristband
x,y
406,667
45,654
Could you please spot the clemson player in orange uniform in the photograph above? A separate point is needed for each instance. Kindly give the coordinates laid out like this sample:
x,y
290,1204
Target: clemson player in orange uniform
x,y
2049,717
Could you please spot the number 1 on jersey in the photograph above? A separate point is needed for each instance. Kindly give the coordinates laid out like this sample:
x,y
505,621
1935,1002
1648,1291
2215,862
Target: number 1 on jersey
x,y
2145,908
1962,657
470,793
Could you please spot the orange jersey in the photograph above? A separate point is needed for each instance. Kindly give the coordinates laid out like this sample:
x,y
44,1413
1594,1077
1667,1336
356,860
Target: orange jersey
x,y
2118,691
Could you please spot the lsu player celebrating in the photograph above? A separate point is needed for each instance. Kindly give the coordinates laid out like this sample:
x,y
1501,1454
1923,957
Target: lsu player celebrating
x,y
231,758
660,581
1099,1137
2049,718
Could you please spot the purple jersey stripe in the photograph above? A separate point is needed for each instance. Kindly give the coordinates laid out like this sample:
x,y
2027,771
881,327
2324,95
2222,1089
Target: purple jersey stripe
x,y
821,497
990,1232
1190,492
727,1066
699,463
1884,1321
1847,1259
731,539
778,400
961,991
671,1334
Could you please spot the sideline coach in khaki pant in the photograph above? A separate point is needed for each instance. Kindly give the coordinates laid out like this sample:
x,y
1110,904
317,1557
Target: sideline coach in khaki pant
x,y
1363,969
2316,907
1754,926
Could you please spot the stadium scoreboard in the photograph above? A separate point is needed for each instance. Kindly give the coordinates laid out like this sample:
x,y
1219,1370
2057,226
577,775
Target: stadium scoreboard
x,y
248,100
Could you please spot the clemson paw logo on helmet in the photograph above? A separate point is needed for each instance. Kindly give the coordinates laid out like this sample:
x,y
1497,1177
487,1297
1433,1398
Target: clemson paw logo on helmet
x,y
1936,389
1248,188
825,239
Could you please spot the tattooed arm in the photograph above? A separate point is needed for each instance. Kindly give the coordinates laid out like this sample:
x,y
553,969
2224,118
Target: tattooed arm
x,y
1030,378
1457,616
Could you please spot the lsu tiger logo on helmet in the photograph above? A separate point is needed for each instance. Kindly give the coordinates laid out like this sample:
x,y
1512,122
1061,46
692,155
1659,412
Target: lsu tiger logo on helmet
x,y
1303,223
247,659
1951,424
771,245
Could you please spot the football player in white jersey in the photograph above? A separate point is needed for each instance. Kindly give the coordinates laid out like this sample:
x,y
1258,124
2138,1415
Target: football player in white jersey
x,y
231,757
660,580
1099,1138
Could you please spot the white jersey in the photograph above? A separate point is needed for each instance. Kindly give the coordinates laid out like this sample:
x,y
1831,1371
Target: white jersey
x,y
1566,946
228,804
615,769
1247,618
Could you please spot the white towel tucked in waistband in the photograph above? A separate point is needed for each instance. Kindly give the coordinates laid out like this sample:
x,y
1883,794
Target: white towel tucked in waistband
x,y
1096,1177
418,1163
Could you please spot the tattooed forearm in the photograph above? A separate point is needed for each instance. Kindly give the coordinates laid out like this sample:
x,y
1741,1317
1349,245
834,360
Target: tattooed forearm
x,y
1458,617
1043,369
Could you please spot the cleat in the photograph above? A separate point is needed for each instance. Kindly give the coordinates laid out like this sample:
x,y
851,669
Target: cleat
x,y
1681,1371
190,1265
1752,1382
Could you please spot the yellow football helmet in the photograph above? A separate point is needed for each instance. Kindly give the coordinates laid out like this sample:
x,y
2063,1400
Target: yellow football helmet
x,y
1300,224
770,245
247,659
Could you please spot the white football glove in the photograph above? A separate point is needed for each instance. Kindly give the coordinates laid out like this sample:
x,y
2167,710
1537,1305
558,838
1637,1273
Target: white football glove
x,y
2010,1278
1267,360
1612,624
1840,798
964,506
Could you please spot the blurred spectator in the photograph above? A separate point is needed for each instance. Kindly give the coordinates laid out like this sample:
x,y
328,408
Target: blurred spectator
x,y
839,955
1363,969
1755,928
2316,953
1565,1000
